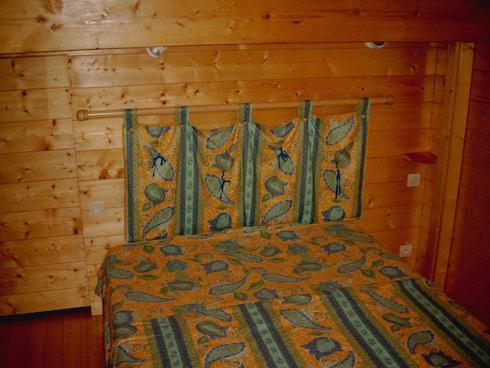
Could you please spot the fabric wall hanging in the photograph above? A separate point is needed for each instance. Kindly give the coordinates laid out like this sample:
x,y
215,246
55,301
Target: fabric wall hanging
x,y
341,156
218,152
182,180
151,178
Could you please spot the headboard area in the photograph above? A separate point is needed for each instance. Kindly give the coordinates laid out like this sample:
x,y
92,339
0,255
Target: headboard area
x,y
182,179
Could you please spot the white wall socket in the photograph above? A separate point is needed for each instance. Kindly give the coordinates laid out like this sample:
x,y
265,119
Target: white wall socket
x,y
405,250
413,180
97,209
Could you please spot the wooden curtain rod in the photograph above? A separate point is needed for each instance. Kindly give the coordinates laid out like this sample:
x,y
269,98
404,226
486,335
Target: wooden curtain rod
x,y
83,115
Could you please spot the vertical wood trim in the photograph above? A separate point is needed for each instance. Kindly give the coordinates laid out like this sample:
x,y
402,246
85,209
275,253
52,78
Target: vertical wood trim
x,y
86,296
96,308
451,143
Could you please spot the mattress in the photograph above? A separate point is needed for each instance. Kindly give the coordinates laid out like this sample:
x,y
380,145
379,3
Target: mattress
x,y
321,295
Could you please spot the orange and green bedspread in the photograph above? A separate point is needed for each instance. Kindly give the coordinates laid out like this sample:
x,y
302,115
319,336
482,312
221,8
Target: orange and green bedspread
x,y
321,295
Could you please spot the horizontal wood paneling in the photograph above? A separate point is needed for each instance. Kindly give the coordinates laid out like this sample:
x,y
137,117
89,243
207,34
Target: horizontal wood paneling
x,y
404,88
96,248
40,224
41,251
98,134
42,278
105,24
36,166
396,142
39,195
31,72
34,104
32,136
110,223
392,239
101,164
42,262
390,218
390,168
186,66
389,194
43,301
110,191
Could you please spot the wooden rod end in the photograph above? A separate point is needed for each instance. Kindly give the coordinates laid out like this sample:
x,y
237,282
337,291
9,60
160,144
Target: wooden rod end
x,y
82,115
390,100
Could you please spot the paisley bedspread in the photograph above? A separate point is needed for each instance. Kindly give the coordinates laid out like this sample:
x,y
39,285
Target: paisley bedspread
x,y
321,295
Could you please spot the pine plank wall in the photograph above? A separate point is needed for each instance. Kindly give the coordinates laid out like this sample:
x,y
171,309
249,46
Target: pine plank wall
x,y
53,167
470,255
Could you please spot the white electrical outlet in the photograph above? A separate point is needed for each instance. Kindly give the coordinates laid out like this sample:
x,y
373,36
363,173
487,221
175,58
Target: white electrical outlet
x,y
413,180
97,209
405,250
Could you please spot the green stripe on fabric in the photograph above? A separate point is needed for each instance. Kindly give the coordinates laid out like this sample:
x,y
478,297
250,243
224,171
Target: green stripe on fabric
x,y
369,337
463,339
251,134
132,183
153,345
267,337
170,344
306,206
363,110
188,177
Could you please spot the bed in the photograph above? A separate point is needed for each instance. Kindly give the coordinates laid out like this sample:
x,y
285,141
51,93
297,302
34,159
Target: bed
x,y
243,252
287,296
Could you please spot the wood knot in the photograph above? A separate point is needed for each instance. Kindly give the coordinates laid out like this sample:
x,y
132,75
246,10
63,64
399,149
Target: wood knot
x,y
56,26
41,19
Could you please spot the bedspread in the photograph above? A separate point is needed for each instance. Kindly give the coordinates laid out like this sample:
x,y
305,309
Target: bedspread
x,y
321,295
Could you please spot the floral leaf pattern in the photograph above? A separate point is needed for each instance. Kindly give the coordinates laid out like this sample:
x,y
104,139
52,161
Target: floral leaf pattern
x,y
228,312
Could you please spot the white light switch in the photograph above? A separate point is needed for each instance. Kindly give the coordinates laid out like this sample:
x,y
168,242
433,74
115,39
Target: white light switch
x,y
405,250
97,209
413,180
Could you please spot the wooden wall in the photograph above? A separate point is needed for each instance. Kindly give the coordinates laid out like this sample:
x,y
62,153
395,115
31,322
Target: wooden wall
x,y
47,25
42,262
470,253
52,167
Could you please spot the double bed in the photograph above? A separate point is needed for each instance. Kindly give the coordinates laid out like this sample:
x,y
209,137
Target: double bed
x,y
320,295
242,252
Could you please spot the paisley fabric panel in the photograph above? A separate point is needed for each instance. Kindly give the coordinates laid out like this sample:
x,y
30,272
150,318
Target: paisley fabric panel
x,y
306,295
151,178
250,146
188,219
305,201
218,160
193,181
278,163
342,149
